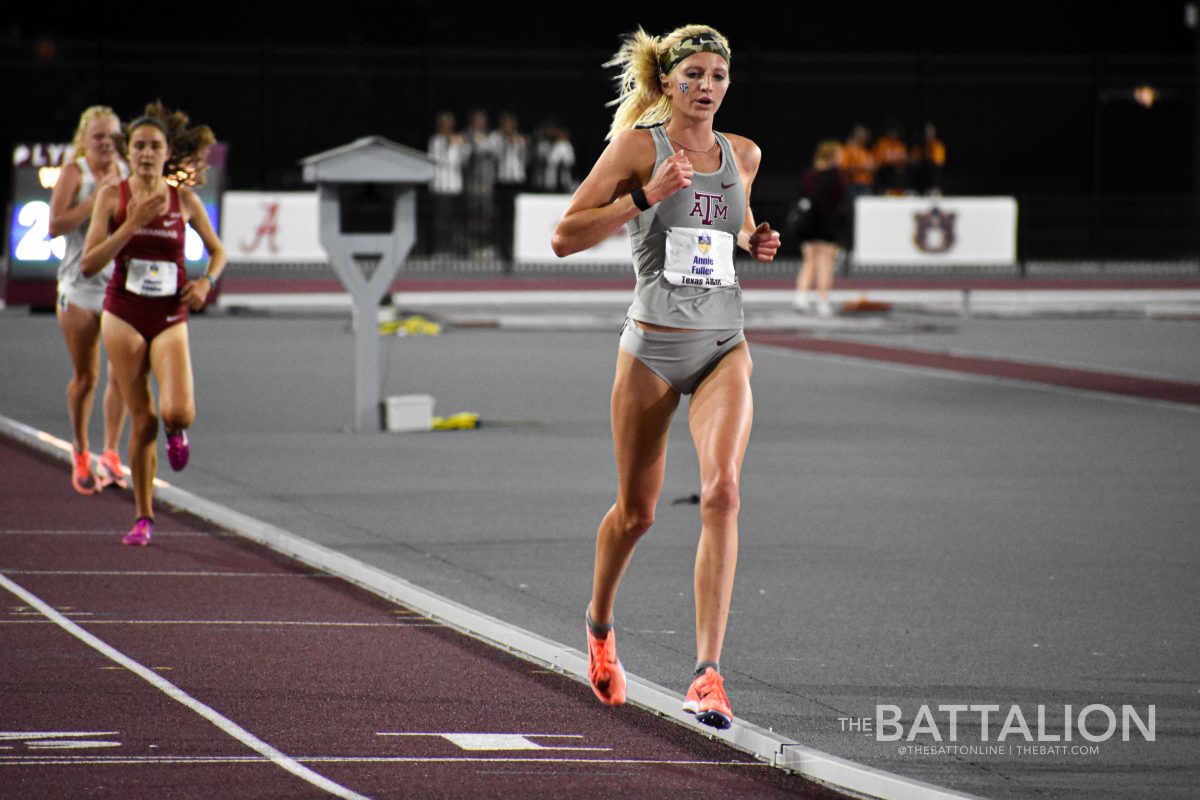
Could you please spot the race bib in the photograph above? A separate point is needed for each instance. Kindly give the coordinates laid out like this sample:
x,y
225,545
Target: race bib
x,y
700,258
152,278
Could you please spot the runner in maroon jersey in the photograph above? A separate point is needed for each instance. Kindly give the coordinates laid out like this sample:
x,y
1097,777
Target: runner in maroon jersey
x,y
139,224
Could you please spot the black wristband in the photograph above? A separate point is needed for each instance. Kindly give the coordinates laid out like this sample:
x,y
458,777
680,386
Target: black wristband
x,y
639,199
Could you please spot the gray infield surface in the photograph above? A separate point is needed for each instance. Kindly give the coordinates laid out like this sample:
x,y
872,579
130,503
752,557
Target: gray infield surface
x,y
909,537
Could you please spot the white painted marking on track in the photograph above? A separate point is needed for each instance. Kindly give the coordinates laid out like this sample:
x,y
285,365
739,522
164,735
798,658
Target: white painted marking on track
x,y
175,693
30,735
58,740
501,741
28,761
106,532
253,622
161,573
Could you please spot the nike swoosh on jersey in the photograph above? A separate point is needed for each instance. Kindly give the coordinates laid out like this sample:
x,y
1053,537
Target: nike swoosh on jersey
x,y
721,342
728,185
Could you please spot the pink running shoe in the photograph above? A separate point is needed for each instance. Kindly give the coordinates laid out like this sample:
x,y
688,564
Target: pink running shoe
x,y
139,535
110,471
177,449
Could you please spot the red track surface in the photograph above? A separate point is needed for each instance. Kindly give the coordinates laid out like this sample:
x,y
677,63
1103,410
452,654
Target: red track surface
x,y
350,686
1091,380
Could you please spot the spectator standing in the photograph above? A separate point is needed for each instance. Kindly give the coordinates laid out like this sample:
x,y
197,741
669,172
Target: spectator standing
x,y
823,204
928,160
857,163
513,158
858,172
554,159
891,159
448,150
482,164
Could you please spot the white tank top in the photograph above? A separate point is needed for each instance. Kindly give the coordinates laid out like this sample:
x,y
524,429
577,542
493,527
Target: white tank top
x,y
70,269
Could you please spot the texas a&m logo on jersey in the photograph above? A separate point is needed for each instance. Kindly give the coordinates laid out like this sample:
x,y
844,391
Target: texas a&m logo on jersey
x,y
709,207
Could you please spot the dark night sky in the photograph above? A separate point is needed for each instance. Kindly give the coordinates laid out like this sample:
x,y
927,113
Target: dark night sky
x,y
1022,26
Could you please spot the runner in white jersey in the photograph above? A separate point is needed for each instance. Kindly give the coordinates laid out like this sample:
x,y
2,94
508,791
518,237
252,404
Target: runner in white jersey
x,y
684,190
81,298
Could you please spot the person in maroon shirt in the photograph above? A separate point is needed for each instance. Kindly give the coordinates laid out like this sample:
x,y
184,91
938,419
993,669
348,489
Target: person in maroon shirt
x,y
823,206
139,225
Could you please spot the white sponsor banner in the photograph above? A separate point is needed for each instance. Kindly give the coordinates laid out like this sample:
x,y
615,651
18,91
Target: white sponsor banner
x,y
536,216
271,227
919,231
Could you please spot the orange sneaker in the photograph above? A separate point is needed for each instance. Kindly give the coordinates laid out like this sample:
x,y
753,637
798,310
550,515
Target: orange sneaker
x,y
707,700
110,471
81,476
605,673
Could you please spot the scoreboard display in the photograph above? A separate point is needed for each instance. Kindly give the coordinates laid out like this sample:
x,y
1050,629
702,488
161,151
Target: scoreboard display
x,y
31,265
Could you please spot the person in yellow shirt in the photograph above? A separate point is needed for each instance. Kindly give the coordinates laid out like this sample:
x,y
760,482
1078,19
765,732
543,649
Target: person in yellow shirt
x,y
857,163
891,159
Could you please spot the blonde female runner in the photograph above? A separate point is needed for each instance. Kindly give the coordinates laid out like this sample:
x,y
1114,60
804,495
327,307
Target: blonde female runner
x,y
97,163
684,190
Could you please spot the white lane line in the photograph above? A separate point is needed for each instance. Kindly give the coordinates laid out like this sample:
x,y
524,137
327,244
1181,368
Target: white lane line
x,y
26,761
106,573
106,531
175,693
252,622
8,736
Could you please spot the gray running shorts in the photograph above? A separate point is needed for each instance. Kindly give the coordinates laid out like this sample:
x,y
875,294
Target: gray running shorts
x,y
683,360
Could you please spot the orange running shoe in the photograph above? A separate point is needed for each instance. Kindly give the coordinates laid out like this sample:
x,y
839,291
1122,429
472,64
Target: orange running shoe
x,y
707,700
605,673
110,471
81,476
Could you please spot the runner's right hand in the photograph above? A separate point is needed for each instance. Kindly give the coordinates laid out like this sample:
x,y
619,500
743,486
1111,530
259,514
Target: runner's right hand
x,y
673,174
142,209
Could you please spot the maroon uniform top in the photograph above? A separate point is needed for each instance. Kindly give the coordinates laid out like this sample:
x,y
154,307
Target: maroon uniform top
x,y
161,241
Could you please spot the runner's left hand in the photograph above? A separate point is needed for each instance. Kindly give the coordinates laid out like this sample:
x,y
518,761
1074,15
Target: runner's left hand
x,y
195,293
764,242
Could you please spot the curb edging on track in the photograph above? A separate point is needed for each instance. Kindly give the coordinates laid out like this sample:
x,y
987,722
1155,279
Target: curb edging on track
x,y
759,742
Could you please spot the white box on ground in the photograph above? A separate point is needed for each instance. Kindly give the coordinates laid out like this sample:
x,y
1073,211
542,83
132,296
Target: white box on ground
x,y
921,231
408,412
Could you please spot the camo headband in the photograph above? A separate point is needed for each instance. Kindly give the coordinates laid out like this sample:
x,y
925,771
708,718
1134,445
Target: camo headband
x,y
703,43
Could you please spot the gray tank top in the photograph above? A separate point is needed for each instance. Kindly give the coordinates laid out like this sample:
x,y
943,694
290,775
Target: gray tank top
x,y
716,201
70,269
